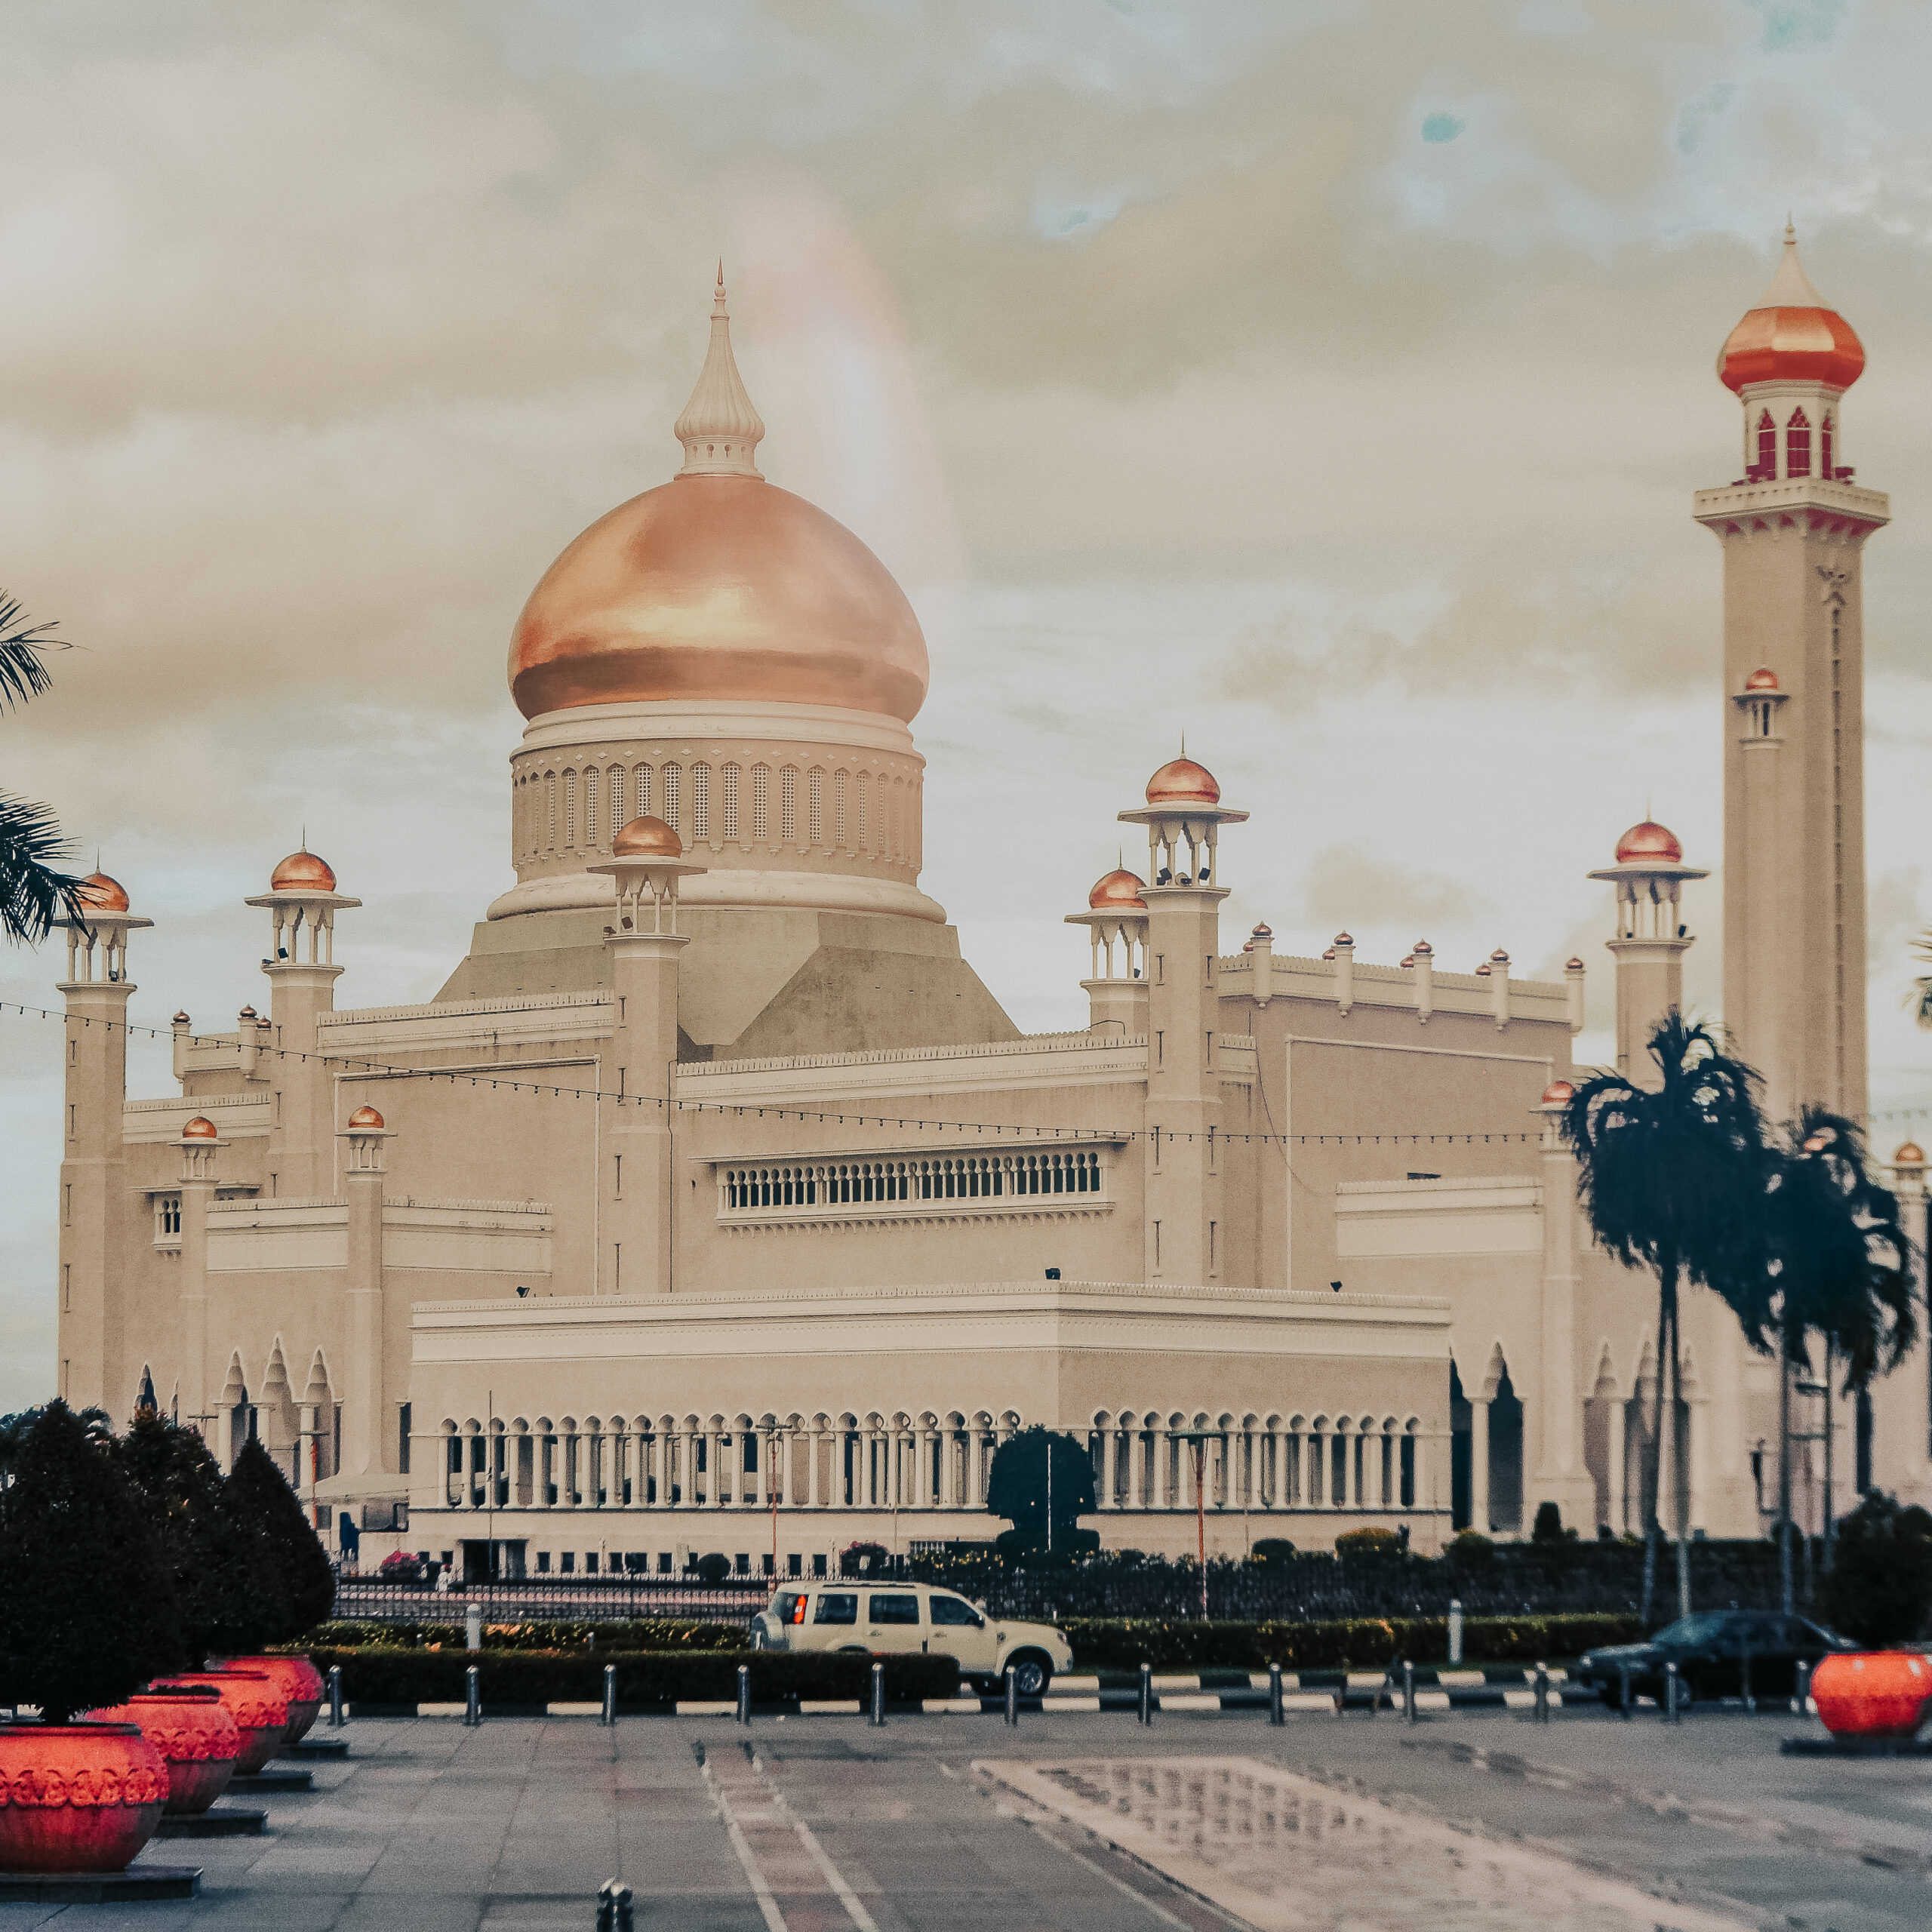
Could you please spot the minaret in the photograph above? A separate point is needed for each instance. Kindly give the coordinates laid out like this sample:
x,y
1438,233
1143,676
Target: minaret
x,y
302,902
1116,915
1183,816
94,1200
365,1403
1793,528
646,862
1651,940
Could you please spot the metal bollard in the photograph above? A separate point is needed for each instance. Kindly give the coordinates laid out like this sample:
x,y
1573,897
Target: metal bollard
x,y
1543,1693
1146,1694
610,1712
1012,1700
1744,1685
878,1692
1456,1630
472,1709
1408,1691
473,1627
1275,1713
1800,1703
1670,1694
1623,1684
745,1693
335,1695
613,1906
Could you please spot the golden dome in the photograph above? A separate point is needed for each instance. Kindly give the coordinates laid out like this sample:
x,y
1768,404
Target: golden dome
x,y
646,838
1121,888
302,871
718,587
365,1117
1558,1093
200,1129
1910,1155
1182,782
1791,335
1648,840
100,893
1763,680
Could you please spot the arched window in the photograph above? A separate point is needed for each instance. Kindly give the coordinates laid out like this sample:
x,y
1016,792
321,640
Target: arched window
x,y
590,837
761,801
700,800
865,785
1825,457
618,821
787,805
671,774
1767,465
815,808
570,810
1798,444
550,811
730,803
838,810
641,792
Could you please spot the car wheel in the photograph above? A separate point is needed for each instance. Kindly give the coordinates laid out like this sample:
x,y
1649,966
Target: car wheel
x,y
1031,1673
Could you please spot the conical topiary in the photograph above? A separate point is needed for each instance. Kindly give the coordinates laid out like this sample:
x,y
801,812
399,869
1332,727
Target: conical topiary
x,y
282,1583
178,1484
87,1613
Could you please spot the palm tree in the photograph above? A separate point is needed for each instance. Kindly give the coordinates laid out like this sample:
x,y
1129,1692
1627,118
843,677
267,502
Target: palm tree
x,y
1672,1176
1837,1266
34,891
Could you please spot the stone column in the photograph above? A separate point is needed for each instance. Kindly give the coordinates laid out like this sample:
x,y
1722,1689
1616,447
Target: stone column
x,y
814,1496
1479,1463
1618,1469
1110,1465
1561,1476
197,1188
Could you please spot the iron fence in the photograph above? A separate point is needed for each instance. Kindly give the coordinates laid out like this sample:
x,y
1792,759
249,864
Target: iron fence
x,y
563,1600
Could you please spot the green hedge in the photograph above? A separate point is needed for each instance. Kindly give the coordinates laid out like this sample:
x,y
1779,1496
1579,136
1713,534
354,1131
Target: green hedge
x,y
653,1633
389,1676
1350,1644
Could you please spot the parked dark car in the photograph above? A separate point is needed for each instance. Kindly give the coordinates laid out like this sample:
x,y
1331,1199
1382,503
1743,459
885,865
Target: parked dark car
x,y
1709,1649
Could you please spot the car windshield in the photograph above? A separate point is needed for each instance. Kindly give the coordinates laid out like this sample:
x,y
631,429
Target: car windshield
x,y
1704,1628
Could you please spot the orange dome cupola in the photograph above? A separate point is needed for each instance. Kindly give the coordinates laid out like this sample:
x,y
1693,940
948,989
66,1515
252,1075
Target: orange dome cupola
x,y
1647,842
302,871
1118,890
1763,679
365,1120
1181,781
1790,335
100,893
646,838
200,1129
718,586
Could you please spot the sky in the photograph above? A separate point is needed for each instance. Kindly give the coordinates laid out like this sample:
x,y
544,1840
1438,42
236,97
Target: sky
x,y
1328,379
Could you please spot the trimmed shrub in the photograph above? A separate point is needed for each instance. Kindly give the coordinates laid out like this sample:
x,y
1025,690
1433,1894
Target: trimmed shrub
x,y
178,1484
1880,1586
1368,1542
643,1633
1269,1550
714,1566
527,1680
87,1612
1342,1644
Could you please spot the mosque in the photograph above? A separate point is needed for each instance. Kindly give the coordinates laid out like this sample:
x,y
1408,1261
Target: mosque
x,y
714,1204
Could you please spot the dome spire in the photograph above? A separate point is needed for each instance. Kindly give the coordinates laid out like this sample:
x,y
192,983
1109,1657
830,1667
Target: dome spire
x,y
719,428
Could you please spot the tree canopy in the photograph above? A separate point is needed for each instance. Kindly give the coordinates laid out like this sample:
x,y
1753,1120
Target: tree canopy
x,y
1042,1482
283,1584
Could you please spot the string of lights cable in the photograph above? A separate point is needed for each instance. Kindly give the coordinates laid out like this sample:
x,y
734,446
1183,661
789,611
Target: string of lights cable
x,y
763,1110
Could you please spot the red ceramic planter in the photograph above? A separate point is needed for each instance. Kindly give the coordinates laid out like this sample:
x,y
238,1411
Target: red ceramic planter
x,y
1876,1693
254,1700
191,1728
77,1797
299,1682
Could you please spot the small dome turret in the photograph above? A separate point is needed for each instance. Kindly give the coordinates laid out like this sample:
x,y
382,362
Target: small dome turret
x,y
366,1118
647,837
302,871
1181,781
1118,889
100,893
200,1129
1647,840
1791,335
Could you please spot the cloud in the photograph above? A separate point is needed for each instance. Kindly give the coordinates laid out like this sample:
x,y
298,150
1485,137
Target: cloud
x,y
1348,882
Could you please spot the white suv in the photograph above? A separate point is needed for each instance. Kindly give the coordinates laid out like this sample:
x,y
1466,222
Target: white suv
x,y
863,1614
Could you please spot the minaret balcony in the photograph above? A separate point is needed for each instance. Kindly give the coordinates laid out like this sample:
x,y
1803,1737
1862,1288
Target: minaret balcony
x,y
1834,506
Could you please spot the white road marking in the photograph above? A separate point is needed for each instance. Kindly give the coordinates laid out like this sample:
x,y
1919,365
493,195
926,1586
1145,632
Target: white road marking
x,y
774,1919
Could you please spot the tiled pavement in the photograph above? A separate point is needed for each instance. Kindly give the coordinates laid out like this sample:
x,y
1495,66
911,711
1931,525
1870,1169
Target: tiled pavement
x,y
825,1823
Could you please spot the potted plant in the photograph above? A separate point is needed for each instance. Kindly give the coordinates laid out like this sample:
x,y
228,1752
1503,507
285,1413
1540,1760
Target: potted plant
x,y
87,1616
284,1585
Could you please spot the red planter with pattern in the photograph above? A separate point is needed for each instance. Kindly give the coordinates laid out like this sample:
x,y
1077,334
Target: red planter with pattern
x,y
1872,1693
77,1797
190,1727
254,1700
299,1682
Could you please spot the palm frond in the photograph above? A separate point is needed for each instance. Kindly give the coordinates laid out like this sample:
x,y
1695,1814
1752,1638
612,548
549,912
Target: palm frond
x,y
34,890
23,671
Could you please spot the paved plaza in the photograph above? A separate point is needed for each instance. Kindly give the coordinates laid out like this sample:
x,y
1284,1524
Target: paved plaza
x,y
1087,1822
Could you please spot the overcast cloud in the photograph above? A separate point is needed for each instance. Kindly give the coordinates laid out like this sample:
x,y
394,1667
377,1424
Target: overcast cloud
x,y
1330,379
